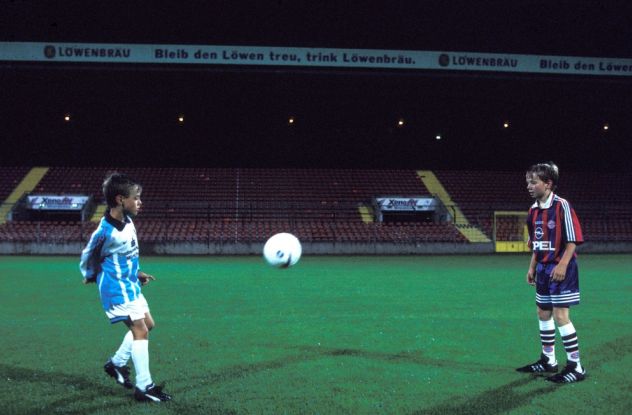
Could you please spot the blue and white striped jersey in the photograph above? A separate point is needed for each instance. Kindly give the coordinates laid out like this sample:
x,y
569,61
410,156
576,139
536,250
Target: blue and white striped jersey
x,y
111,258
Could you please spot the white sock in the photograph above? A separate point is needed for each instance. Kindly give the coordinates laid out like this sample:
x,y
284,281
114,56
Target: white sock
x,y
547,337
571,345
122,355
140,356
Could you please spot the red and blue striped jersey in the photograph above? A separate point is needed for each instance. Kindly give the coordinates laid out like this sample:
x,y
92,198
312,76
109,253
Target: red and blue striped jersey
x,y
551,226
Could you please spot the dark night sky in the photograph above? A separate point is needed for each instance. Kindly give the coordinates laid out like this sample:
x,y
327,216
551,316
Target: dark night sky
x,y
583,28
238,116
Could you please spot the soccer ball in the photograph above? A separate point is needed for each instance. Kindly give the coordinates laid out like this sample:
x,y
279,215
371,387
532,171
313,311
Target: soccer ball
x,y
282,250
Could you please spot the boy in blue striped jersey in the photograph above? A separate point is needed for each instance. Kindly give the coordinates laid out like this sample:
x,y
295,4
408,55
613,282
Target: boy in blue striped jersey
x,y
111,261
554,233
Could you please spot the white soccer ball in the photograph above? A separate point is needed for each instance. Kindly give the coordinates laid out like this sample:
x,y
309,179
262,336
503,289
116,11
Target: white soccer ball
x,y
282,250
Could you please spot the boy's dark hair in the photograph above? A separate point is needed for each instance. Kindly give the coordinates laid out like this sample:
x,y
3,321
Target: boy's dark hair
x,y
546,171
118,184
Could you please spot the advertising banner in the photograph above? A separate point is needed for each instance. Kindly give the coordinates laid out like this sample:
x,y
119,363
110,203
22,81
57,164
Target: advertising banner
x,y
161,54
406,204
56,202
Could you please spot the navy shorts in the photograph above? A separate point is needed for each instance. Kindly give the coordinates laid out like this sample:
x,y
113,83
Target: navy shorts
x,y
549,294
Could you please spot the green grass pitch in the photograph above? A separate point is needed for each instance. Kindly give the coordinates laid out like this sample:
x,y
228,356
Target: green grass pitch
x,y
332,335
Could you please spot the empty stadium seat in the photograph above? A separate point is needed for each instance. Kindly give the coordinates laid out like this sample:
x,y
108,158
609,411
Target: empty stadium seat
x,y
246,205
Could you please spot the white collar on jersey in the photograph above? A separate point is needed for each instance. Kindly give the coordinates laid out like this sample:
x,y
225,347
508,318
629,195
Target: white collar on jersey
x,y
546,204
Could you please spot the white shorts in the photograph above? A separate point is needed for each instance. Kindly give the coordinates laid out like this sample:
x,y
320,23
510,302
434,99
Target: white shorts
x,y
134,310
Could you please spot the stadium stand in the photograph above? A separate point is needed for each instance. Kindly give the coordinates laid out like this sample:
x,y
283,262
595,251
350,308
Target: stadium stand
x,y
318,205
45,231
9,179
14,182
480,193
244,205
603,202
604,218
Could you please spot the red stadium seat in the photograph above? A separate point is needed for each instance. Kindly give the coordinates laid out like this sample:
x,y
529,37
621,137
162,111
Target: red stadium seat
x,y
249,205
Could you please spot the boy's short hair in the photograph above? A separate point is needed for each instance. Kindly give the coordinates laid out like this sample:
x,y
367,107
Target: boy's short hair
x,y
546,172
118,184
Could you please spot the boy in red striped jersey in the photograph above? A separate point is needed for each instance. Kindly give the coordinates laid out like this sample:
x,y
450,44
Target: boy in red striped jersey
x,y
554,233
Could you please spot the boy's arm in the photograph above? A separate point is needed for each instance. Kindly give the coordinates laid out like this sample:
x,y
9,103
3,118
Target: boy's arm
x,y
531,271
533,262
559,272
90,263
572,236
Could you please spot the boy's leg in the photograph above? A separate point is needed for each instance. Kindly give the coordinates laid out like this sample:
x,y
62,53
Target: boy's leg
x,y
574,372
140,353
565,294
569,335
116,367
145,388
136,316
123,354
547,362
547,335
149,321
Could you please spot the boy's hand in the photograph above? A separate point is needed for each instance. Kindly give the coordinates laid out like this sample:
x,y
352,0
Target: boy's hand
x,y
531,276
145,278
89,280
559,272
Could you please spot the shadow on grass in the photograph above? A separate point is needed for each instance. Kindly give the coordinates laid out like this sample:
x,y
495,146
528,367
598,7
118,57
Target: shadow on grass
x,y
310,353
495,401
505,398
86,396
